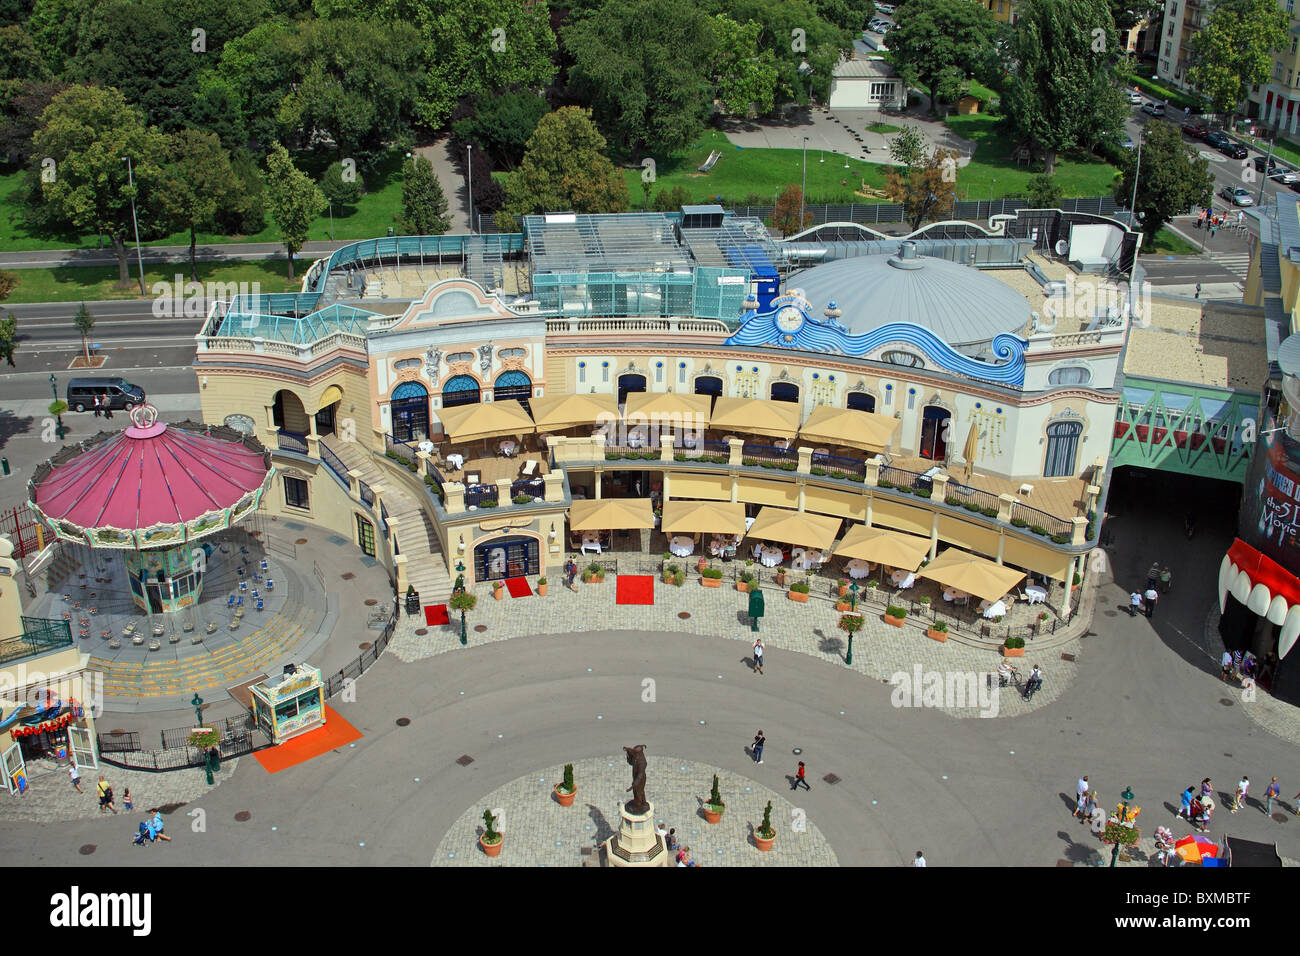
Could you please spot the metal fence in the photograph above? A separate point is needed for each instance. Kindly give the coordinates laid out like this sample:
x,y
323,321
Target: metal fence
x,y
183,758
335,464
768,455
291,441
354,669
1034,519
176,737
281,546
119,741
367,495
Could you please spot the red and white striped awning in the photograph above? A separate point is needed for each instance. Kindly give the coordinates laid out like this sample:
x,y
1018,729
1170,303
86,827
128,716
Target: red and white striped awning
x,y
1265,587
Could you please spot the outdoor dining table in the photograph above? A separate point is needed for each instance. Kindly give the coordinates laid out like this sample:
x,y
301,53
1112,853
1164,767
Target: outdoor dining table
x,y
858,569
592,541
952,594
903,579
770,557
508,447
456,461
681,545
1035,594
805,559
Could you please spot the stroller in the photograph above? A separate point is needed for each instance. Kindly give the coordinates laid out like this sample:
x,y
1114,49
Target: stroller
x,y
144,835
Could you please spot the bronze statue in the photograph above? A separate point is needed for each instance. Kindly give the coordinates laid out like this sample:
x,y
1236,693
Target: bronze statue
x,y
636,760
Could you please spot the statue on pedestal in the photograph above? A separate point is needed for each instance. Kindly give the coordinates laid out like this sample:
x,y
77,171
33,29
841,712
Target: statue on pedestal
x,y
636,760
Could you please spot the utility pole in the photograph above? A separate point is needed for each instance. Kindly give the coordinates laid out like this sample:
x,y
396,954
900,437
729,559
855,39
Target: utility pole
x,y
1263,176
803,189
1137,171
469,174
130,180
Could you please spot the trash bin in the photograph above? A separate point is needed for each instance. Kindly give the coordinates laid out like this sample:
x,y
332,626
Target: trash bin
x,y
390,232
4,466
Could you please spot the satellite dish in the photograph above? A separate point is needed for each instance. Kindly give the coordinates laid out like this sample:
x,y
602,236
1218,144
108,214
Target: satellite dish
x,y
1062,247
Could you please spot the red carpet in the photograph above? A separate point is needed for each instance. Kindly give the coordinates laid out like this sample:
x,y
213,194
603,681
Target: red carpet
x,y
635,589
518,587
337,732
435,614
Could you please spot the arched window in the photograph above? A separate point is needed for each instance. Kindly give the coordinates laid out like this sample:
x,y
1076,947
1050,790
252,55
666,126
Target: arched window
x,y
410,412
629,383
1062,449
460,390
862,401
513,385
708,385
906,359
1070,375
460,357
785,392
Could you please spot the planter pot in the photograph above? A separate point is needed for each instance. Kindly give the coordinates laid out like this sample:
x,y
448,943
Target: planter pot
x,y
565,799
842,591
668,579
497,593
541,590
593,580
780,578
491,849
844,606
896,621
713,816
798,596
934,635
711,582
742,587
764,843
1013,651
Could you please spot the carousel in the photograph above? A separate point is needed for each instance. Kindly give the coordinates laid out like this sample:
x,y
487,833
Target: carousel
x,y
142,517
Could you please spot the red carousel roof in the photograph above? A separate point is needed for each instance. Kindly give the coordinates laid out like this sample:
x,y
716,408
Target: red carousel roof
x,y
149,475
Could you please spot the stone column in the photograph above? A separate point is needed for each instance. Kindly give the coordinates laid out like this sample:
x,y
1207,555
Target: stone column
x,y
735,487
554,483
940,485
934,534
736,454
503,492
454,493
1079,531
802,489
1004,507
399,573
666,448
597,473
873,471
666,478
805,462
354,489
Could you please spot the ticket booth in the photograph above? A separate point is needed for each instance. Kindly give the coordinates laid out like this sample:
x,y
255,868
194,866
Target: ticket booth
x,y
289,705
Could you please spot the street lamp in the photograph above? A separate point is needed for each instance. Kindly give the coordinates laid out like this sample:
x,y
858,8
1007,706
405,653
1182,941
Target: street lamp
x,y
130,179
460,586
1125,797
469,186
803,190
853,592
197,704
59,429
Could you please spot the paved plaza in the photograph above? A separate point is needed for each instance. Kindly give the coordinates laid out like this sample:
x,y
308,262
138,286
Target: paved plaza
x,y
540,832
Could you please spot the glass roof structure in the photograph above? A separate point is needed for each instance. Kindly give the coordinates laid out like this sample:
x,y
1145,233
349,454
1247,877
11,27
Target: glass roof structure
x,y
614,242
256,317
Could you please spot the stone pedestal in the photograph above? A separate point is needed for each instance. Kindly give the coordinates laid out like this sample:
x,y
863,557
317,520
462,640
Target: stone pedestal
x,y
636,843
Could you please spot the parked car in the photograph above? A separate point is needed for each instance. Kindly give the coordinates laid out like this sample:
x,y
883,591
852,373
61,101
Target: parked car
x,y
1260,160
885,8
1155,109
1217,140
113,392
1235,150
1237,196
1135,97
1195,130
876,26
1283,174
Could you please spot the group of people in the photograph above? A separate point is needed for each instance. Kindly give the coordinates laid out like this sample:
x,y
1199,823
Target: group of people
x,y
1213,221
682,854
1236,665
102,405
1145,601
1007,675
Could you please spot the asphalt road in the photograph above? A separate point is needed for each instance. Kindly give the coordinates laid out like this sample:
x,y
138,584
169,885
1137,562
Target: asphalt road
x,y
153,255
129,335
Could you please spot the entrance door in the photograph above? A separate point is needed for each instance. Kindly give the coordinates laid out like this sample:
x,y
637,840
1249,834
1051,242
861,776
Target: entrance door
x,y
11,762
506,558
934,433
629,383
82,748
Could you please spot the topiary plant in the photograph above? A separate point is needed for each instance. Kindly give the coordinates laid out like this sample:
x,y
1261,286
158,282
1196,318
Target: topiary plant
x,y
568,786
715,797
490,836
766,830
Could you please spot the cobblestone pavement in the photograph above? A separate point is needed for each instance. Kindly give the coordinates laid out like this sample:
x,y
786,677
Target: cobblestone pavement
x,y
1277,717
540,832
50,796
880,651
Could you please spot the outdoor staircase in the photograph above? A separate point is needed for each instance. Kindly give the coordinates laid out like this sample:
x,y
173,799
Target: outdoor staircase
x,y
408,521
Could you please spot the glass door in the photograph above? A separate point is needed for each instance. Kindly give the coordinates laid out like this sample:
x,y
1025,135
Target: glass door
x,y
13,765
82,748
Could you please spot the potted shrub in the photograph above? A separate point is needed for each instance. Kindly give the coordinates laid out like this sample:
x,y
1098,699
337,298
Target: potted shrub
x,y
851,623
679,577
490,841
924,601
1014,647
780,577
765,835
566,791
1078,579
1041,621
843,585
895,615
799,592
843,604
498,590
938,631
747,582
594,574
541,587
203,738
711,577
669,571
714,807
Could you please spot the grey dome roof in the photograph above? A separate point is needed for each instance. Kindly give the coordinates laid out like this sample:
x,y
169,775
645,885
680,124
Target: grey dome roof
x,y
960,304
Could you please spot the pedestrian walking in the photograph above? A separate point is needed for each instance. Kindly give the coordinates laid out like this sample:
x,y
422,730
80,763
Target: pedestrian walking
x,y
1198,291
126,799
759,742
1153,575
1236,662
1080,789
799,778
108,413
1200,220
1273,792
670,841
76,777
570,572
1089,806
105,795
1239,798
758,655
1187,111
1185,810
1207,788
1134,604
1241,217
919,860
1166,580
1151,596
1227,666
1214,227
97,408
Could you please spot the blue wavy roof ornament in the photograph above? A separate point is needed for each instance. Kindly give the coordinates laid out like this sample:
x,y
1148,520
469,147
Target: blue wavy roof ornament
x,y
815,335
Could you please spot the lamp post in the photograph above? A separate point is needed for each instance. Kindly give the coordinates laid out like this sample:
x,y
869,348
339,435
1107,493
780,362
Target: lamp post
x,y
197,704
460,585
130,179
469,187
848,657
59,429
1125,797
803,189
853,591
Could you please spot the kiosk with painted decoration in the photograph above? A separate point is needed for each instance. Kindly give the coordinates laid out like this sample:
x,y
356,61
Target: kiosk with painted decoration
x,y
291,704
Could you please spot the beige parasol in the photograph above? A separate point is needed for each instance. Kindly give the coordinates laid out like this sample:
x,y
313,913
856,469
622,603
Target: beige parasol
x,y
849,426
972,574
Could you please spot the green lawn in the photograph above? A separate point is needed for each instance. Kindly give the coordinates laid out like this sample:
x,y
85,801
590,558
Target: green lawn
x,y
91,283
994,172
1170,244
883,128
373,214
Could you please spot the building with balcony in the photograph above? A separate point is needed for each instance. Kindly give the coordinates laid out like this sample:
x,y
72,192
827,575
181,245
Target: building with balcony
x,y
442,401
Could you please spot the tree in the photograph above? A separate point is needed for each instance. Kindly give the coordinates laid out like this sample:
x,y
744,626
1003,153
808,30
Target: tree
x,y
1063,93
1129,13
84,322
341,187
745,77
938,44
564,169
200,180
644,68
245,212
925,182
1234,50
1170,181
785,214
88,132
293,199
20,117
670,200
501,125
8,282
9,338
1044,193
424,206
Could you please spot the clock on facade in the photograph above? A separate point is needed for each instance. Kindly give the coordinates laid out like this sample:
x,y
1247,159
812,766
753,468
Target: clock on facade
x,y
789,319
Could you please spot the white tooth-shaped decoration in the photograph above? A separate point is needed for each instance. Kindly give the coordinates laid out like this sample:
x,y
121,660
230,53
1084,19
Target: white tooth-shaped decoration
x,y
1259,599
1290,631
1227,572
1277,609
1241,586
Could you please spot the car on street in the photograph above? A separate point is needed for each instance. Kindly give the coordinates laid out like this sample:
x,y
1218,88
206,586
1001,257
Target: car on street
x,y
876,26
1195,130
1283,174
1261,160
1134,97
1217,140
1154,109
885,8
1237,196
1235,150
